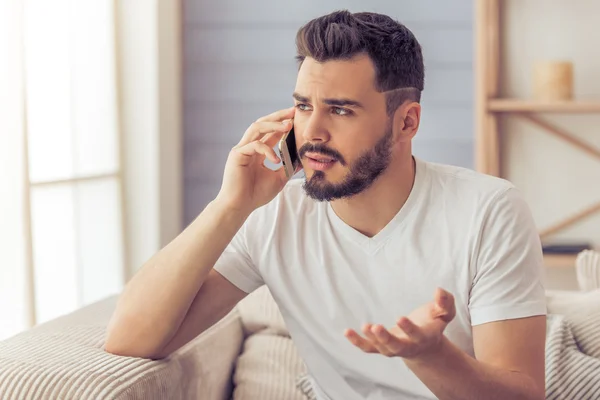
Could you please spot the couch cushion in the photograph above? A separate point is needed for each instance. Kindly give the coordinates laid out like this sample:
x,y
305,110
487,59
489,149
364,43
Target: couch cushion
x,y
269,364
585,323
258,311
304,383
587,269
268,368
570,373
582,312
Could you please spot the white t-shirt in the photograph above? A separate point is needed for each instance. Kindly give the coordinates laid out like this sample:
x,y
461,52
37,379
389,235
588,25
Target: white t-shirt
x,y
468,233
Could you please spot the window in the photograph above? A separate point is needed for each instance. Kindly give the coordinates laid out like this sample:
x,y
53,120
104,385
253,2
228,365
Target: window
x,y
62,163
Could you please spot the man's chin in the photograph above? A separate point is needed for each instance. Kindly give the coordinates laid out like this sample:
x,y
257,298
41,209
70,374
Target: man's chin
x,y
323,177
320,190
316,194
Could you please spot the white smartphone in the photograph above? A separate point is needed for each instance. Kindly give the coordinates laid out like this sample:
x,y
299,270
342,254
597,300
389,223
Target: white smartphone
x,y
289,154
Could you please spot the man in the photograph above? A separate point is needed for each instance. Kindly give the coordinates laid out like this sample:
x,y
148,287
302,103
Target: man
x,y
397,278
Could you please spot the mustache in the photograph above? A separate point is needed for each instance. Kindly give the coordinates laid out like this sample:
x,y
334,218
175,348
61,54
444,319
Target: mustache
x,y
321,149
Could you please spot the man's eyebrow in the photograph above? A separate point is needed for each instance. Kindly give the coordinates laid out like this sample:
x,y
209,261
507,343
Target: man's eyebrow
x,y
331,102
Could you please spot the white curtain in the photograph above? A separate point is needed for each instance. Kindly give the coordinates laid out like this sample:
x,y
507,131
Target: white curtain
x,y
13,264
61,202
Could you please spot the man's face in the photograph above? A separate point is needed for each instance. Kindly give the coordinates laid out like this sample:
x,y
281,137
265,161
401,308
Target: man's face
x,y
343,133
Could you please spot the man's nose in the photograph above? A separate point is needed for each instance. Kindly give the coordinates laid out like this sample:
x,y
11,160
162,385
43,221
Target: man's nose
x,y
315,130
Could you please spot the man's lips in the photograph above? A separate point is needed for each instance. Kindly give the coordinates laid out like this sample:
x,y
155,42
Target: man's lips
x,y
319,162
319,158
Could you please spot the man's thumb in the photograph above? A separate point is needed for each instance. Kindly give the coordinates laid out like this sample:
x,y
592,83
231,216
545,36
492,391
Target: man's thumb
x,y
445,303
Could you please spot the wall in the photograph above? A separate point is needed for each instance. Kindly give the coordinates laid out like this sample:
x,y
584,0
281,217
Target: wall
x,y
239,65
556,178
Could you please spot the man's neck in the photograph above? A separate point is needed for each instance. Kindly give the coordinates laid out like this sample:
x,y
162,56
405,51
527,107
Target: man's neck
x,y
370,211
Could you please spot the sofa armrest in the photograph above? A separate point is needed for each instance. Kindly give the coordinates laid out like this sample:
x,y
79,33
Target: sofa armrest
x,y
65,359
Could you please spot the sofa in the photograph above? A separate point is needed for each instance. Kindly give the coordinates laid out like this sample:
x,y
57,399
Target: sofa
x,y
246,355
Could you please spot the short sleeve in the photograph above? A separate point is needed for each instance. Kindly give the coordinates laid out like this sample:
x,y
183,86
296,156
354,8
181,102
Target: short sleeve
x,y
236,265
508,281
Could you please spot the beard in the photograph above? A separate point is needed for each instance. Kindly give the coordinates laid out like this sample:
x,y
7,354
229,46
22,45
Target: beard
x,y
363,172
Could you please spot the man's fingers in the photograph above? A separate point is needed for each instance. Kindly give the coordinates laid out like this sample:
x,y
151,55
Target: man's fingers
x,y
393,345
279,121
445,304
380,340
254,148
281,175
257,130
271,139
440,298
359,341
369,331
409,328
278,115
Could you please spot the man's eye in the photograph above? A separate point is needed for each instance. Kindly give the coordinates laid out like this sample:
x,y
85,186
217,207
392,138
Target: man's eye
x,y
302,107
341,111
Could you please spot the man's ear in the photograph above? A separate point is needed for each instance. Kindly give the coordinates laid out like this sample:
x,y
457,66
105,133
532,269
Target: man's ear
x,y
406,121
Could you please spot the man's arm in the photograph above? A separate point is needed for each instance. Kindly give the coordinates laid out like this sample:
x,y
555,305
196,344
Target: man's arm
x,y
214,300
509,363
175,296
509,358
156,301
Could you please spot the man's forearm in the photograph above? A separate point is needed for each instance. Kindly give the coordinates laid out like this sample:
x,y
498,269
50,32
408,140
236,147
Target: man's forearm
x,y
156,300
451,374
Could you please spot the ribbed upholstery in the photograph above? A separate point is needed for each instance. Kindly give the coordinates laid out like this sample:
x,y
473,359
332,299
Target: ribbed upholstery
x,y
258,311
268,368
571,374
269,364
65,360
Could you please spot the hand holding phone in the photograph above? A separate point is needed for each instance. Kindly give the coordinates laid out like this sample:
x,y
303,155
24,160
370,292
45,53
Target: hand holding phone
x,y
247,183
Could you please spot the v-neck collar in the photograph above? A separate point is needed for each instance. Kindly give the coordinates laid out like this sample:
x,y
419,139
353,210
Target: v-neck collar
x,y
372,244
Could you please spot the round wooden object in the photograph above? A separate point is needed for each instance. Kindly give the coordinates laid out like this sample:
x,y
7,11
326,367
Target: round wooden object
x,y
553,80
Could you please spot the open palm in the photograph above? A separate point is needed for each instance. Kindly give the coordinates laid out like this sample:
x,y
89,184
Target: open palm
x,y
416,335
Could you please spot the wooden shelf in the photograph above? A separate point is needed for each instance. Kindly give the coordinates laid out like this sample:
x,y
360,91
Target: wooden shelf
x,y
560,260
516,105
491,107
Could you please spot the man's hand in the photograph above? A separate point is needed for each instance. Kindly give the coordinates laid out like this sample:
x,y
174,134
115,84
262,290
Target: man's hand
x,y
414,337
247,183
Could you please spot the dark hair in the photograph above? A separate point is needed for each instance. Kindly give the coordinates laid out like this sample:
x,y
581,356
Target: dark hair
x,y
391,46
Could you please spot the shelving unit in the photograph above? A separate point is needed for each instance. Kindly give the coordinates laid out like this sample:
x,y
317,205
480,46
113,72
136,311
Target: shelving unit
x,y
571,107
559,260
489,108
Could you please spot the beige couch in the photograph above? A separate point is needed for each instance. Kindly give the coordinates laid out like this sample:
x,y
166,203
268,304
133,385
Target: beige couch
x,y
249,352
247,355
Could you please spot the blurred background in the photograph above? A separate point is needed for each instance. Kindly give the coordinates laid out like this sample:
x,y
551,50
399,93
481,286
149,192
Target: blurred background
x,y
116,119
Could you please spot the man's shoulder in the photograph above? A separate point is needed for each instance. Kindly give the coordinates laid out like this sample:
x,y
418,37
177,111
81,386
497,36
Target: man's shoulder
x,y
467,183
